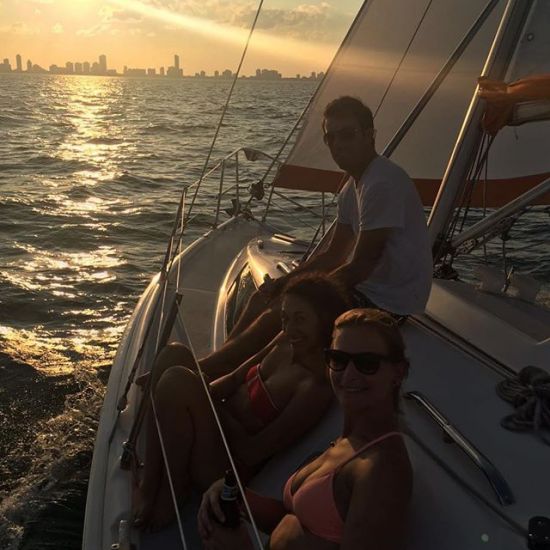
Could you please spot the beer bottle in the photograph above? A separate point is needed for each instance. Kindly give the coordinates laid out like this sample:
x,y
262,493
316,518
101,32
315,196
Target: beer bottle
x,y
229,500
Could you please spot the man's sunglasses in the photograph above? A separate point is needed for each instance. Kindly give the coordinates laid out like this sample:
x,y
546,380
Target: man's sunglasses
x,y
365,363
345,134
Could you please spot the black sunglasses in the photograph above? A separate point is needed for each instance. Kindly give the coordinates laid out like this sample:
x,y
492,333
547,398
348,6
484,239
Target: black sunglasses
x,y
345,135
365,363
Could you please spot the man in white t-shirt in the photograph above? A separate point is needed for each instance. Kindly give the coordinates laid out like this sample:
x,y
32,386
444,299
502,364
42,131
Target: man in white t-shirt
x,y
380,212
379,245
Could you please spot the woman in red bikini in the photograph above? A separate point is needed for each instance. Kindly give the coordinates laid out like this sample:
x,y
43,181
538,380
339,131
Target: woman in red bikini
x,y
265,404
356,494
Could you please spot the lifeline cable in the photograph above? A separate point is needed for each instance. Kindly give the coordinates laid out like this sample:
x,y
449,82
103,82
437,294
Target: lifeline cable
x,y
168,473
224,111
224,441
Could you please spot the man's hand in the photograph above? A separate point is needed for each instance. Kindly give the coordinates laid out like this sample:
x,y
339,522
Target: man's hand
x,y
271,288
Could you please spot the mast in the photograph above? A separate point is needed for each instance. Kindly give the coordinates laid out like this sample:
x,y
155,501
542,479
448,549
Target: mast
x,y
469,137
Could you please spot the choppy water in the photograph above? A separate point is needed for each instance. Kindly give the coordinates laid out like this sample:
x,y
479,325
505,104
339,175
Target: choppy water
x,y
91,170
90,174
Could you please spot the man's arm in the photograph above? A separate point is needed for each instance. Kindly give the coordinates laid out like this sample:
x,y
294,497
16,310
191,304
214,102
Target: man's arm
x,y
334,255
368,250
339,248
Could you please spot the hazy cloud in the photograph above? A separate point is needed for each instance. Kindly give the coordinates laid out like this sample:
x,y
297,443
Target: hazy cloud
x,y
21,29
93,30
125,15
311,21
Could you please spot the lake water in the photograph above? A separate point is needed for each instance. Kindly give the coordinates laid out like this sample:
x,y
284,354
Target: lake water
x,y
91,170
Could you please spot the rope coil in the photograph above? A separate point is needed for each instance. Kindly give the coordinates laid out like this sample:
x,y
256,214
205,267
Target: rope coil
x,y
529,393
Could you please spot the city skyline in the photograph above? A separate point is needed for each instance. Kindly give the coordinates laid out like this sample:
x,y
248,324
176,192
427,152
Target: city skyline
x,y
100,68
209,36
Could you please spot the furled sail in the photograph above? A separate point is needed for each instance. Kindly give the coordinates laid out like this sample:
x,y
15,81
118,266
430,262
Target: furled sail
x,y
391,55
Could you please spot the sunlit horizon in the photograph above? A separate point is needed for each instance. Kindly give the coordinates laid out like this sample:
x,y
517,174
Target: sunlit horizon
x,y
290,37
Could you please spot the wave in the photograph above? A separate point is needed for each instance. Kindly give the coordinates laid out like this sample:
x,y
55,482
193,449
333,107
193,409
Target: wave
x,y
49,164
48,455
170,128
105,141
8,121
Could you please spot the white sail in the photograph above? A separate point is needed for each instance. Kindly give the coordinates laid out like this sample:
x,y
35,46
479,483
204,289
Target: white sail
x,y
372,56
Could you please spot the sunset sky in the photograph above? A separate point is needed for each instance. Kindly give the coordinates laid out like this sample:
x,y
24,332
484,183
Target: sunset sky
x,y
208,35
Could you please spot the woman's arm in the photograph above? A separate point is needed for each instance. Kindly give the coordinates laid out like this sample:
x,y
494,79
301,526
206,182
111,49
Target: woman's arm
x,y
267,511
225,386
305,408
378,510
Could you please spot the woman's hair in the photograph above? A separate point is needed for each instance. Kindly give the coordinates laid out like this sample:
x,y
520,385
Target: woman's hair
x,y
327,298
387,328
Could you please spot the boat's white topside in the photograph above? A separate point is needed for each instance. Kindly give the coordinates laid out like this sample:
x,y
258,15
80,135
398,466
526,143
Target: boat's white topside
x,y
452,375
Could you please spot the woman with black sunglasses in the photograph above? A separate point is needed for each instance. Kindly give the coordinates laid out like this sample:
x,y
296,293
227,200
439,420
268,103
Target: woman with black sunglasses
x,y
356,494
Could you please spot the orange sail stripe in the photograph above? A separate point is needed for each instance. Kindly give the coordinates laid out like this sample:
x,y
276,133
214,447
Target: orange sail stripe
x,y
309,179
497,192
501,98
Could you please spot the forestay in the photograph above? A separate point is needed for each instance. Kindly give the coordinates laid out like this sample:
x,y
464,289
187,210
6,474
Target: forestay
x,y
391,55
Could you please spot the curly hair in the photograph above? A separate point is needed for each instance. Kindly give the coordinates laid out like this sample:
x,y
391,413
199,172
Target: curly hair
x,y
326,297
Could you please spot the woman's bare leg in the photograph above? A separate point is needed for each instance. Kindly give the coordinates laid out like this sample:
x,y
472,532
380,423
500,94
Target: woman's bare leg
x,y
191,440
241,346
172,355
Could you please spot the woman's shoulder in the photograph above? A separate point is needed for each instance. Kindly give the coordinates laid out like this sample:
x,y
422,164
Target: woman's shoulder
x,y
389,459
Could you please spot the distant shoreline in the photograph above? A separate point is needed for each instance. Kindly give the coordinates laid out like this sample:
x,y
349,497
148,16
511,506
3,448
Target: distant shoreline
x,y
161,77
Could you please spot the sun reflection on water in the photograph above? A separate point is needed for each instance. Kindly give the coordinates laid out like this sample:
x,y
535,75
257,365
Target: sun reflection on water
x,y
91,104
52,354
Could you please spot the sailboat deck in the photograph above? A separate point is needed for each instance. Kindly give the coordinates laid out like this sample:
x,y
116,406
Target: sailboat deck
x,y
443,514
531,319
513,332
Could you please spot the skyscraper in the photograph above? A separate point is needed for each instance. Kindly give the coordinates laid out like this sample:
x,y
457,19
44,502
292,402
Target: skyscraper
x,y
29,65
18,62
177,62
102,64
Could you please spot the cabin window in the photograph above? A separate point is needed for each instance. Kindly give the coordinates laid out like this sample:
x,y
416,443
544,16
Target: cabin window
x,y
237,297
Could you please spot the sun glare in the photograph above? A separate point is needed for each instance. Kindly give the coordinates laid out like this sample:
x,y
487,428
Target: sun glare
x,y
264,42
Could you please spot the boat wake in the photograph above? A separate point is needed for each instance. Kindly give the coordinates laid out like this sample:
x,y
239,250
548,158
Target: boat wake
x,y
46,455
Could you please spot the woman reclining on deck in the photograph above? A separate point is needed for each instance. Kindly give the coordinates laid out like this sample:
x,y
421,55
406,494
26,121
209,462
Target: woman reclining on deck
x,y
355,494
264,405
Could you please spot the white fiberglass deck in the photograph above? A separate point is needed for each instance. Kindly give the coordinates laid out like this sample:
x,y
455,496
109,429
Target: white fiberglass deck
x,y
461,385
443,514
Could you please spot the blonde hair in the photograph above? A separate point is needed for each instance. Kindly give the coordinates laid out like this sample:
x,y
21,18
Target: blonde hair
x,y
387,328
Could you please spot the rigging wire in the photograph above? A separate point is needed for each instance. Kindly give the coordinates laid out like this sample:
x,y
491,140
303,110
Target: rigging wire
x,y
180,243
485,181
459,218
224,110
204,382
168,473
351,29
428,6
184,220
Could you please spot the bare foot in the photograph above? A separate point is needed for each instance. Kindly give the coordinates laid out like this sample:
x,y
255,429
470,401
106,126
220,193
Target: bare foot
x,y
164,511
143,504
